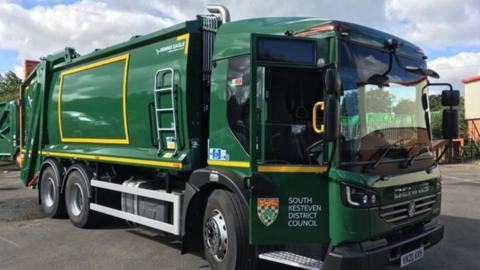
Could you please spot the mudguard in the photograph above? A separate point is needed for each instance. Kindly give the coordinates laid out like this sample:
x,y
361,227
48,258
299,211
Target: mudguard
x,y
203,181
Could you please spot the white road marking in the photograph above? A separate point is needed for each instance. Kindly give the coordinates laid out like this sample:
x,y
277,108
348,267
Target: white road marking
x,y
10,242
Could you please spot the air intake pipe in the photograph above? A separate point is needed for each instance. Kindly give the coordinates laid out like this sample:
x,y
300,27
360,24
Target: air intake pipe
x,y
221,11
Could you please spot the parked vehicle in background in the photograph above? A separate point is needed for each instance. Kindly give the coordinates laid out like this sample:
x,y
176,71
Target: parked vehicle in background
x,y
295,140
8,130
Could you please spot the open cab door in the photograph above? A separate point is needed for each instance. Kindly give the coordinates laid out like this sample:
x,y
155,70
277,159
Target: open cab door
x,y
289,202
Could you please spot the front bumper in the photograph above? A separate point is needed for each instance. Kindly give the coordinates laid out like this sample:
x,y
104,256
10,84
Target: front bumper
x,y
378,254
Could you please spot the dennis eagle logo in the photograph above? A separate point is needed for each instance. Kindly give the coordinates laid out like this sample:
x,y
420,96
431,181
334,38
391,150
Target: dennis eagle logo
x,y
267,210
411,209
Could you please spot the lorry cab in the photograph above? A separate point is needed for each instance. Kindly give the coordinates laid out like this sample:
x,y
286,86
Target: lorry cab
x,y
338,167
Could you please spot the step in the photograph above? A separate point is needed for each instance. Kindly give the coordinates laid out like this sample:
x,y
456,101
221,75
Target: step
x,y
292,259
165,110
165,129
161,90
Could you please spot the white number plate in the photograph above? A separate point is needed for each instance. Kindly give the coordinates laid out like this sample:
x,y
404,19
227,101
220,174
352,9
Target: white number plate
x,y
411,257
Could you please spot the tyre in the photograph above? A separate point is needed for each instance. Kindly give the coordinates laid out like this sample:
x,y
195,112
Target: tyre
x,y
225,232
52,200
77,200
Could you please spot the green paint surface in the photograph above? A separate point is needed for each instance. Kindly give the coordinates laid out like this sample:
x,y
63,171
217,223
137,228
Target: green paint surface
x,y
92,103
303,210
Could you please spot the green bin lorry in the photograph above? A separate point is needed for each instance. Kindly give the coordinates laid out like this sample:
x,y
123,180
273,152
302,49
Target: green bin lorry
x,y
301,141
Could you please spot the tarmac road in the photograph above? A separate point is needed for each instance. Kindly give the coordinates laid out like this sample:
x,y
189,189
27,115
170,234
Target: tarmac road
x,y
29,241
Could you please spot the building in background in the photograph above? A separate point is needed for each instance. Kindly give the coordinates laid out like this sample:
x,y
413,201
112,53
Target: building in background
x,y
28,67
472,106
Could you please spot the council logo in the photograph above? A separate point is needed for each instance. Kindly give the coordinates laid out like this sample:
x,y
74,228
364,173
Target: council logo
x,y
267,210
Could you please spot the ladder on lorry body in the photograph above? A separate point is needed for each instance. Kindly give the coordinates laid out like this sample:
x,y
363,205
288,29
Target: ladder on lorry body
x,y
162,90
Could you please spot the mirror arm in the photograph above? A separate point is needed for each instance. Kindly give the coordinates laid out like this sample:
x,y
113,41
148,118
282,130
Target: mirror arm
x,y
439,84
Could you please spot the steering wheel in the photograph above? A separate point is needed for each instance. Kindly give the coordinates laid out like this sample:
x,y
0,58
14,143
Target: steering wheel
x,y
313,150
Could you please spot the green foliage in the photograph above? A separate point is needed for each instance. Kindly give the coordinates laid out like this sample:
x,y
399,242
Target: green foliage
x,y
406,107
436,124
379,100
9,85
435,102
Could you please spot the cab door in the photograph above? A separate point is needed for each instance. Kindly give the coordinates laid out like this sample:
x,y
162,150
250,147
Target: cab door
x,y
289,202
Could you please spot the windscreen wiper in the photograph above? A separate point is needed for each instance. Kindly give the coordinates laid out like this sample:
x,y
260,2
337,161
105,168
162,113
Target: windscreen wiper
x,y
417,153
386,150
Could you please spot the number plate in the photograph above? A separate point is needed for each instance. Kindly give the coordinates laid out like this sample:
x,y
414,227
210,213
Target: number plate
x,y
411,257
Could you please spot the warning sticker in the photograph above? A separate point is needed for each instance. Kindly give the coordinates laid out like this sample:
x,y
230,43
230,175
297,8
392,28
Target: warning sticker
x,y
218,154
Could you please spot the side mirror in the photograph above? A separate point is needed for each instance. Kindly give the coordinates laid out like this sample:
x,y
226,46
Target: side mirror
x,y
450,98
332,82
449,123
332,119
424,101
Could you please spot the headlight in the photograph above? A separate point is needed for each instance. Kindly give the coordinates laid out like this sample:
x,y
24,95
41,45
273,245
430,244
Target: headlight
x,y
354,196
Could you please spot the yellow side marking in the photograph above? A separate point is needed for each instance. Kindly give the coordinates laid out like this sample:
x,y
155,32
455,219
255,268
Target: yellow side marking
x,y
126,140
124,99
175,165
96,64
94,140
59,108
291,169
185,37
228,163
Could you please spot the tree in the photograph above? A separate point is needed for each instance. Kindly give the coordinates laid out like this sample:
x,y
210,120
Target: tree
x,y
378,100
406,107
9,85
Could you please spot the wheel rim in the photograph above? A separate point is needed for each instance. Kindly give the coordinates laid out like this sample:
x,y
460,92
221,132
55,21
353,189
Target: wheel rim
x,y
215,235
49,192
76,199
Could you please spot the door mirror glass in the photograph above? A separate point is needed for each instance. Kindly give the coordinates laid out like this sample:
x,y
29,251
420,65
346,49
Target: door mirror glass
x,y
450,98
450,124
332,81
331,119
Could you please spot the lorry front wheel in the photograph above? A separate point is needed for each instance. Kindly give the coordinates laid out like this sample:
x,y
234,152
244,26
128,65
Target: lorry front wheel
x,y
225,232
78,202
50,197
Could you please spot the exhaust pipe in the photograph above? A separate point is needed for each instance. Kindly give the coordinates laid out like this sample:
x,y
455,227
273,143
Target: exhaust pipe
x,y
221,11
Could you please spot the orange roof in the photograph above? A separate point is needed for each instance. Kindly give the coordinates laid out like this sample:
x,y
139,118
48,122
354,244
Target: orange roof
x,y
471,79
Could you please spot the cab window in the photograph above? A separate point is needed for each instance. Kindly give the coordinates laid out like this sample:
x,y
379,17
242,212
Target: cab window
x,y
238,98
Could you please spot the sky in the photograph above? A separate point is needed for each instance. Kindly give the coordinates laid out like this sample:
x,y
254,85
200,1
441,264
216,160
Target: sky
x,y
447,30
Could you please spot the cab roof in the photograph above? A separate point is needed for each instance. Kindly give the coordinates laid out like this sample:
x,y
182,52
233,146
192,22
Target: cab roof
x,y
234,38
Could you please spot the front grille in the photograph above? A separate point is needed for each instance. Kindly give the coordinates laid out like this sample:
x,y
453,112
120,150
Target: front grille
x,y
398,212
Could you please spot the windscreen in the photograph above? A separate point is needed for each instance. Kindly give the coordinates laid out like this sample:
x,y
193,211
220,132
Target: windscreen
x,y
379,117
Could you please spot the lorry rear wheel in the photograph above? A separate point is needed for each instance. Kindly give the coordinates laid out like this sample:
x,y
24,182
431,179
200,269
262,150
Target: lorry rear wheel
x,y
78,202
225,230
50,197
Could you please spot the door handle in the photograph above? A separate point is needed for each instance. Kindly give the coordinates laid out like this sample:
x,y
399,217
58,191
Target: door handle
x,y
318,130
